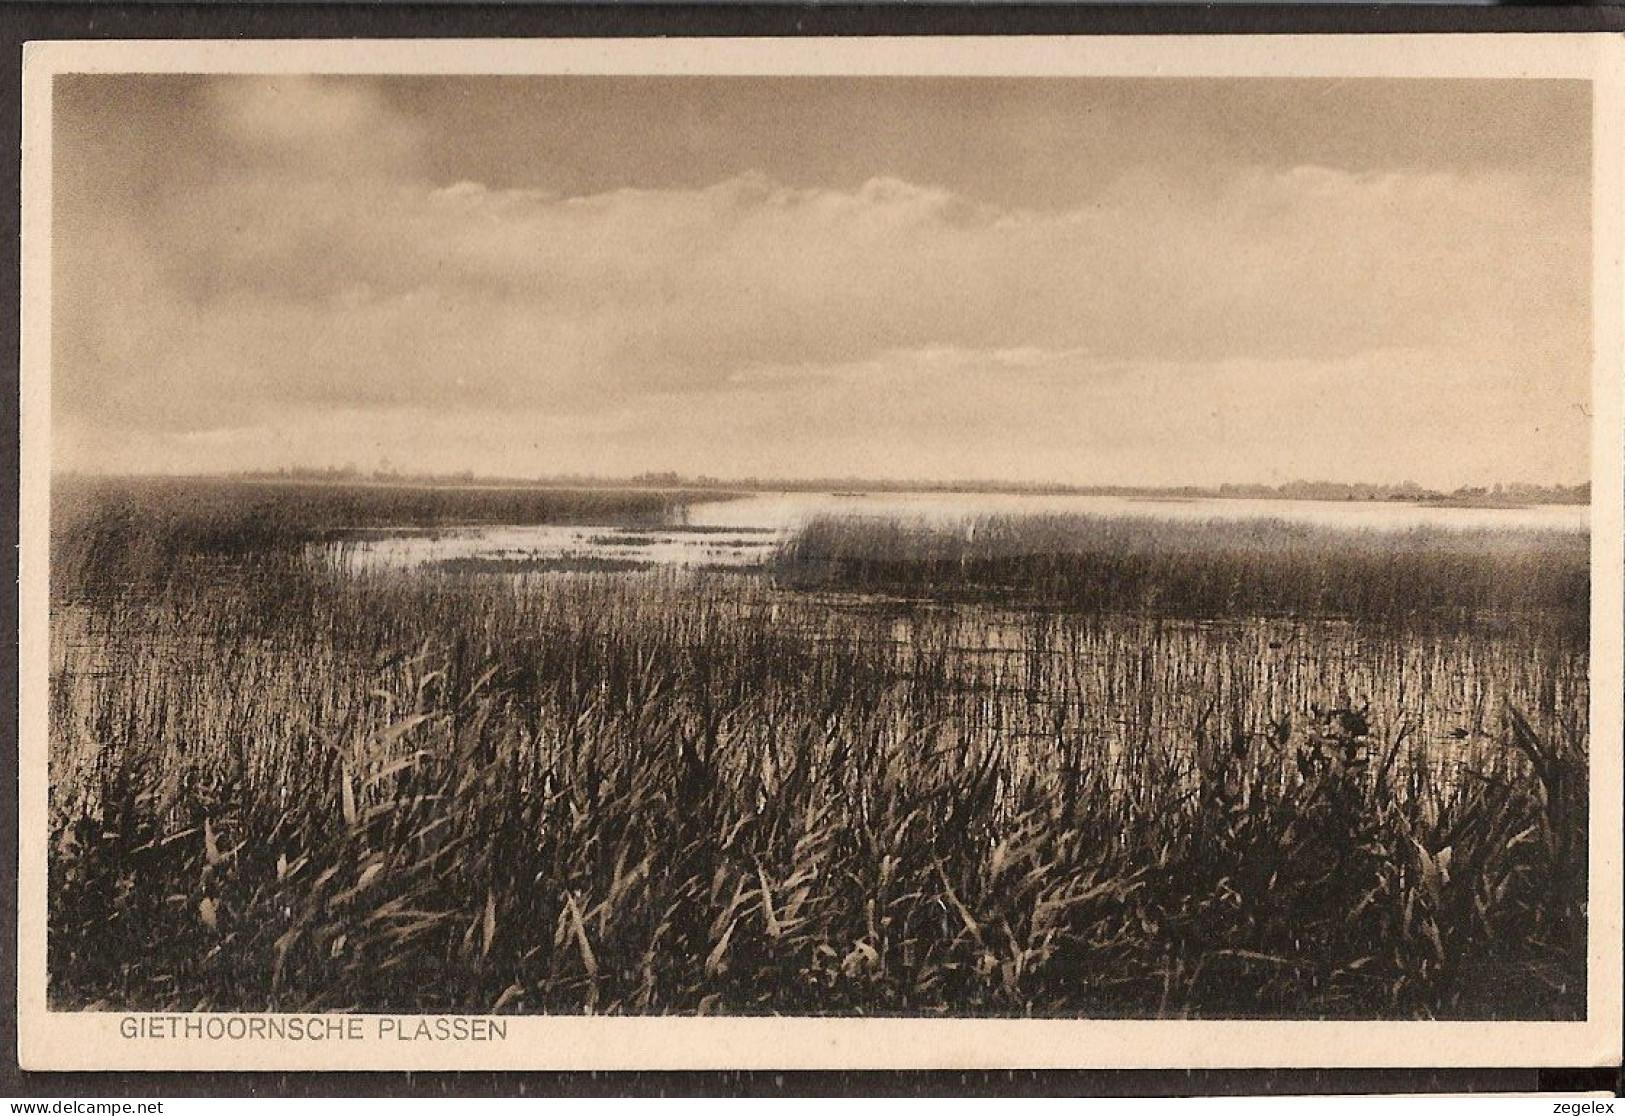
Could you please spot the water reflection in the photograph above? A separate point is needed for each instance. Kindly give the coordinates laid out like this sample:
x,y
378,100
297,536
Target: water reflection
x,y
742,533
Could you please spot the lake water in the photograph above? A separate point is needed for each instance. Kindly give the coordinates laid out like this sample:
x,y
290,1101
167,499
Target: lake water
x,y
741,533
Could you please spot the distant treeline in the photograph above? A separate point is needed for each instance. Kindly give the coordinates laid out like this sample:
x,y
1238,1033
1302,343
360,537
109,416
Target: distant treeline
x,y
1497,495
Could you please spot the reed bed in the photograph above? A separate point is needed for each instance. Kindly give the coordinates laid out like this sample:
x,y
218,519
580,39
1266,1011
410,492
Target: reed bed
x,y
113,533
279,785
1265,567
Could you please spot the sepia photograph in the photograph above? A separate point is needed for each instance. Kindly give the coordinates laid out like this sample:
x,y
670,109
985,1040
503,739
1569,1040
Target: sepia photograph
x,y
963,543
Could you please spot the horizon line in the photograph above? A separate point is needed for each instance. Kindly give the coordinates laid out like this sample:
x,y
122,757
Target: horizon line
x,y
663,478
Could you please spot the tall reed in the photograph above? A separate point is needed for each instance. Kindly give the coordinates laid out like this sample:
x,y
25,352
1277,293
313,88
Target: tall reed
x,y
282,785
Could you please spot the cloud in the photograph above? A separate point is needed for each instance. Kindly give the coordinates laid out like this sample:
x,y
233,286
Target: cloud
x,y
1051,417
322,124
689,286
315,266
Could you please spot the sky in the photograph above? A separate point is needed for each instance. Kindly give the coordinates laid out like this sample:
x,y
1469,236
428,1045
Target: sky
x,y
1086,281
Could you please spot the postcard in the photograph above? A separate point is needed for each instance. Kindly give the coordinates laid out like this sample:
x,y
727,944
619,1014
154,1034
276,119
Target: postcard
x,y
822,553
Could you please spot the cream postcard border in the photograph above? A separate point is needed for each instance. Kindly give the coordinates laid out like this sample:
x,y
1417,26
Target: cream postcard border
x,y
92,1040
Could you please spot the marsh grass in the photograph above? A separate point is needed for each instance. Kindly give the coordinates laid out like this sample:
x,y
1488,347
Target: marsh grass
x,y
1231,569
116,532
278,785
